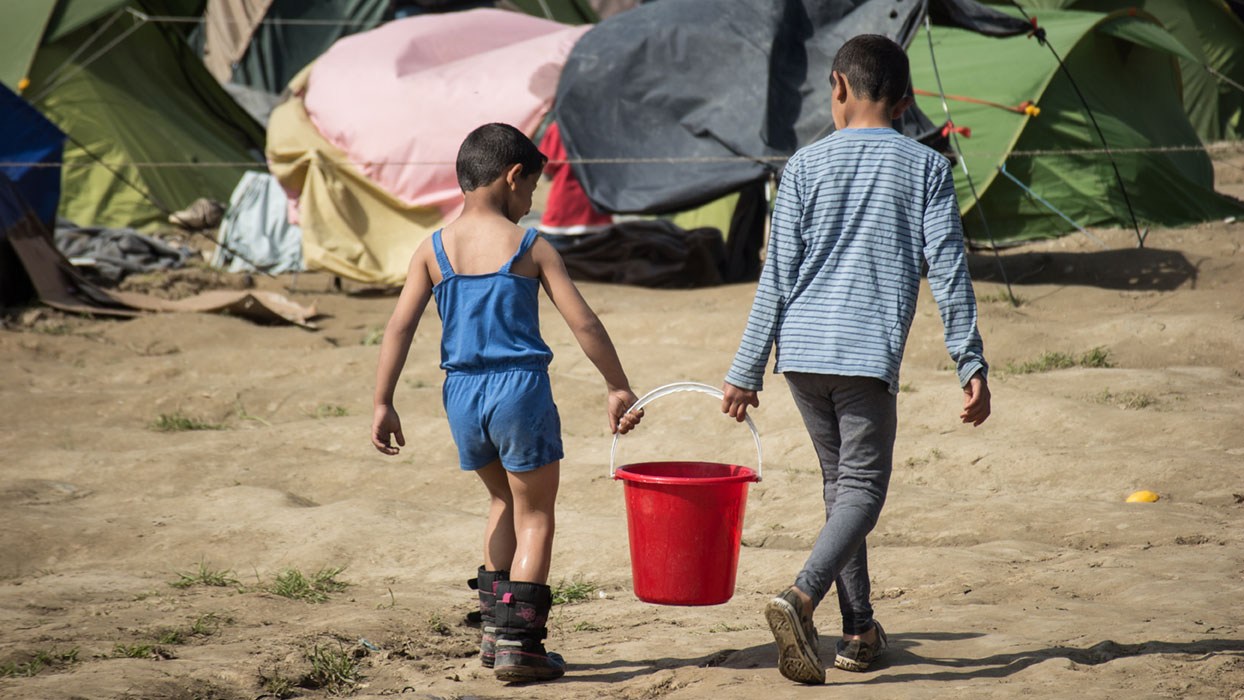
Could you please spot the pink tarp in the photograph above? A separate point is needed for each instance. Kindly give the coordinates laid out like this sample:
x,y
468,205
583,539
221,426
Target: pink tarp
x,y
399,99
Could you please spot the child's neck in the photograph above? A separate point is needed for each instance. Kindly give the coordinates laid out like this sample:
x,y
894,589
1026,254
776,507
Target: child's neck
x,y
484,203
863,114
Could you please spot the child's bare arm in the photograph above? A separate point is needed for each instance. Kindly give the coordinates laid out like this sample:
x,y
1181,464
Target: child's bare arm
x,y
590,333
398,334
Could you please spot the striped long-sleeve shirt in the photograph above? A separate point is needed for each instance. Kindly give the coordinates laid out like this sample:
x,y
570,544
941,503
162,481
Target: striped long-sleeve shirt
x,y
856,215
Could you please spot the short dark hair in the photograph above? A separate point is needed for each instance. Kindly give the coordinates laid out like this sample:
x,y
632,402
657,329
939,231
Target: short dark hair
x,y
492,149
875,67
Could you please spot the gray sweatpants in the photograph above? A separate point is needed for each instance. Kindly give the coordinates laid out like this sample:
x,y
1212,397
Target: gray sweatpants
x,y
852,422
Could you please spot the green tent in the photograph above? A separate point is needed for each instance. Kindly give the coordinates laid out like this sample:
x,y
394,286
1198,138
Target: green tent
x,y
1213,73
130,92
1127,67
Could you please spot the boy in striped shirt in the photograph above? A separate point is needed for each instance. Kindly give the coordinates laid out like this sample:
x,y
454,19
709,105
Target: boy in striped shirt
x,y
857,215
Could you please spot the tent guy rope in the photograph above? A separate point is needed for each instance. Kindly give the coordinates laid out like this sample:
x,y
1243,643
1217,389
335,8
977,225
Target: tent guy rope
x,y
954,142
1210,149
1039,34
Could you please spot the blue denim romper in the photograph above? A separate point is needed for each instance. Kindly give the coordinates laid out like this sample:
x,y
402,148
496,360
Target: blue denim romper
x,y
497,394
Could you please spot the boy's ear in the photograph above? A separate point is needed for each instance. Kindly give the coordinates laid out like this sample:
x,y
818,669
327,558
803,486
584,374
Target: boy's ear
x,y
513,175
838,86
901,106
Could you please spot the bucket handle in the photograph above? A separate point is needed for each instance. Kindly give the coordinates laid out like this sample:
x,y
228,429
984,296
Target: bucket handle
x,y
675,388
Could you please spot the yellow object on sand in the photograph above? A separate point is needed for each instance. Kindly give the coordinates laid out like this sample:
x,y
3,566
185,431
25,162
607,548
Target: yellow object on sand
x,y
1143,497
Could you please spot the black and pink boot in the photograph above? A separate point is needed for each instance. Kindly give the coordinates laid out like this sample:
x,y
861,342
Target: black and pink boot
x,y
522,613
484,583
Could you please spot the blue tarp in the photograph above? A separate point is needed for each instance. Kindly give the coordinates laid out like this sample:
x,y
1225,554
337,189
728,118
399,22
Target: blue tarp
x,y
27,137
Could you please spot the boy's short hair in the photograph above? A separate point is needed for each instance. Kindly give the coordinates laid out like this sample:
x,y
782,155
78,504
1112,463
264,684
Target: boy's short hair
x,y
492,149
875,67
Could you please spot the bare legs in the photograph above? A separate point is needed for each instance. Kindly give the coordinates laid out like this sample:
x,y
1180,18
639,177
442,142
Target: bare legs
x,y
519,534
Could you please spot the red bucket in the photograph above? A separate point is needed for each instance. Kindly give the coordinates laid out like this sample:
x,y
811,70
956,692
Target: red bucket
x,y
685,521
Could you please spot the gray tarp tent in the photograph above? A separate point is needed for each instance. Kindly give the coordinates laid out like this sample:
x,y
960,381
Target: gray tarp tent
x,y
707,81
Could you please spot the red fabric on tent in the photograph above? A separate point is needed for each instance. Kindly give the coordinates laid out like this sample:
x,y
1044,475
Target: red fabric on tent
x,y
568,209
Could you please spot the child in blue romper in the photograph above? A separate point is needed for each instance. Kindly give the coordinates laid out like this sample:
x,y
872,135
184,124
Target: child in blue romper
x,y
485,274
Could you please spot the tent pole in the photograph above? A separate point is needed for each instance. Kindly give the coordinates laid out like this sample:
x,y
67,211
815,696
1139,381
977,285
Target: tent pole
x,y
963,163
1039,33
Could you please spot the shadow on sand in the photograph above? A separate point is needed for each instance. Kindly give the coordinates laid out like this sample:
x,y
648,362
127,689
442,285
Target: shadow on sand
x,y
1137,269
902,653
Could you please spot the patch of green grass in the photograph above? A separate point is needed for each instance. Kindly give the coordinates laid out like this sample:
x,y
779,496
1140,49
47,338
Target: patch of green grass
x,y
1098,357
576,591
170,635
204,577
39,660
240,411
1130,400
437,625
178,422
586,626
293,584
373,337
277,685
328,410
207,624
906,388
999,297
333,670
726,627
133,651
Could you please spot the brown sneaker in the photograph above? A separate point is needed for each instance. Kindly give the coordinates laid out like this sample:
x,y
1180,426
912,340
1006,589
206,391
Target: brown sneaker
x,y
856,655
798,658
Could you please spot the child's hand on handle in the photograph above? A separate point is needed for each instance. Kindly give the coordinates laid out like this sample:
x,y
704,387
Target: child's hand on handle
x,y
385,423
734,401
975,400
620,421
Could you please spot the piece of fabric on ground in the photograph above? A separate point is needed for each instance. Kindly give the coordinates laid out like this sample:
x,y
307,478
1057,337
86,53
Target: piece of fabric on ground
x,y
256,228
33,267
113,253
646,253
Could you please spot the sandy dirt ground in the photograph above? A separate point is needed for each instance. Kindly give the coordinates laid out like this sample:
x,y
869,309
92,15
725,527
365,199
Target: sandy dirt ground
x,y
1006,563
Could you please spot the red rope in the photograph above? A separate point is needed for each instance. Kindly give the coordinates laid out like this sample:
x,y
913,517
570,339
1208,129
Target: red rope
x,y
1027,107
